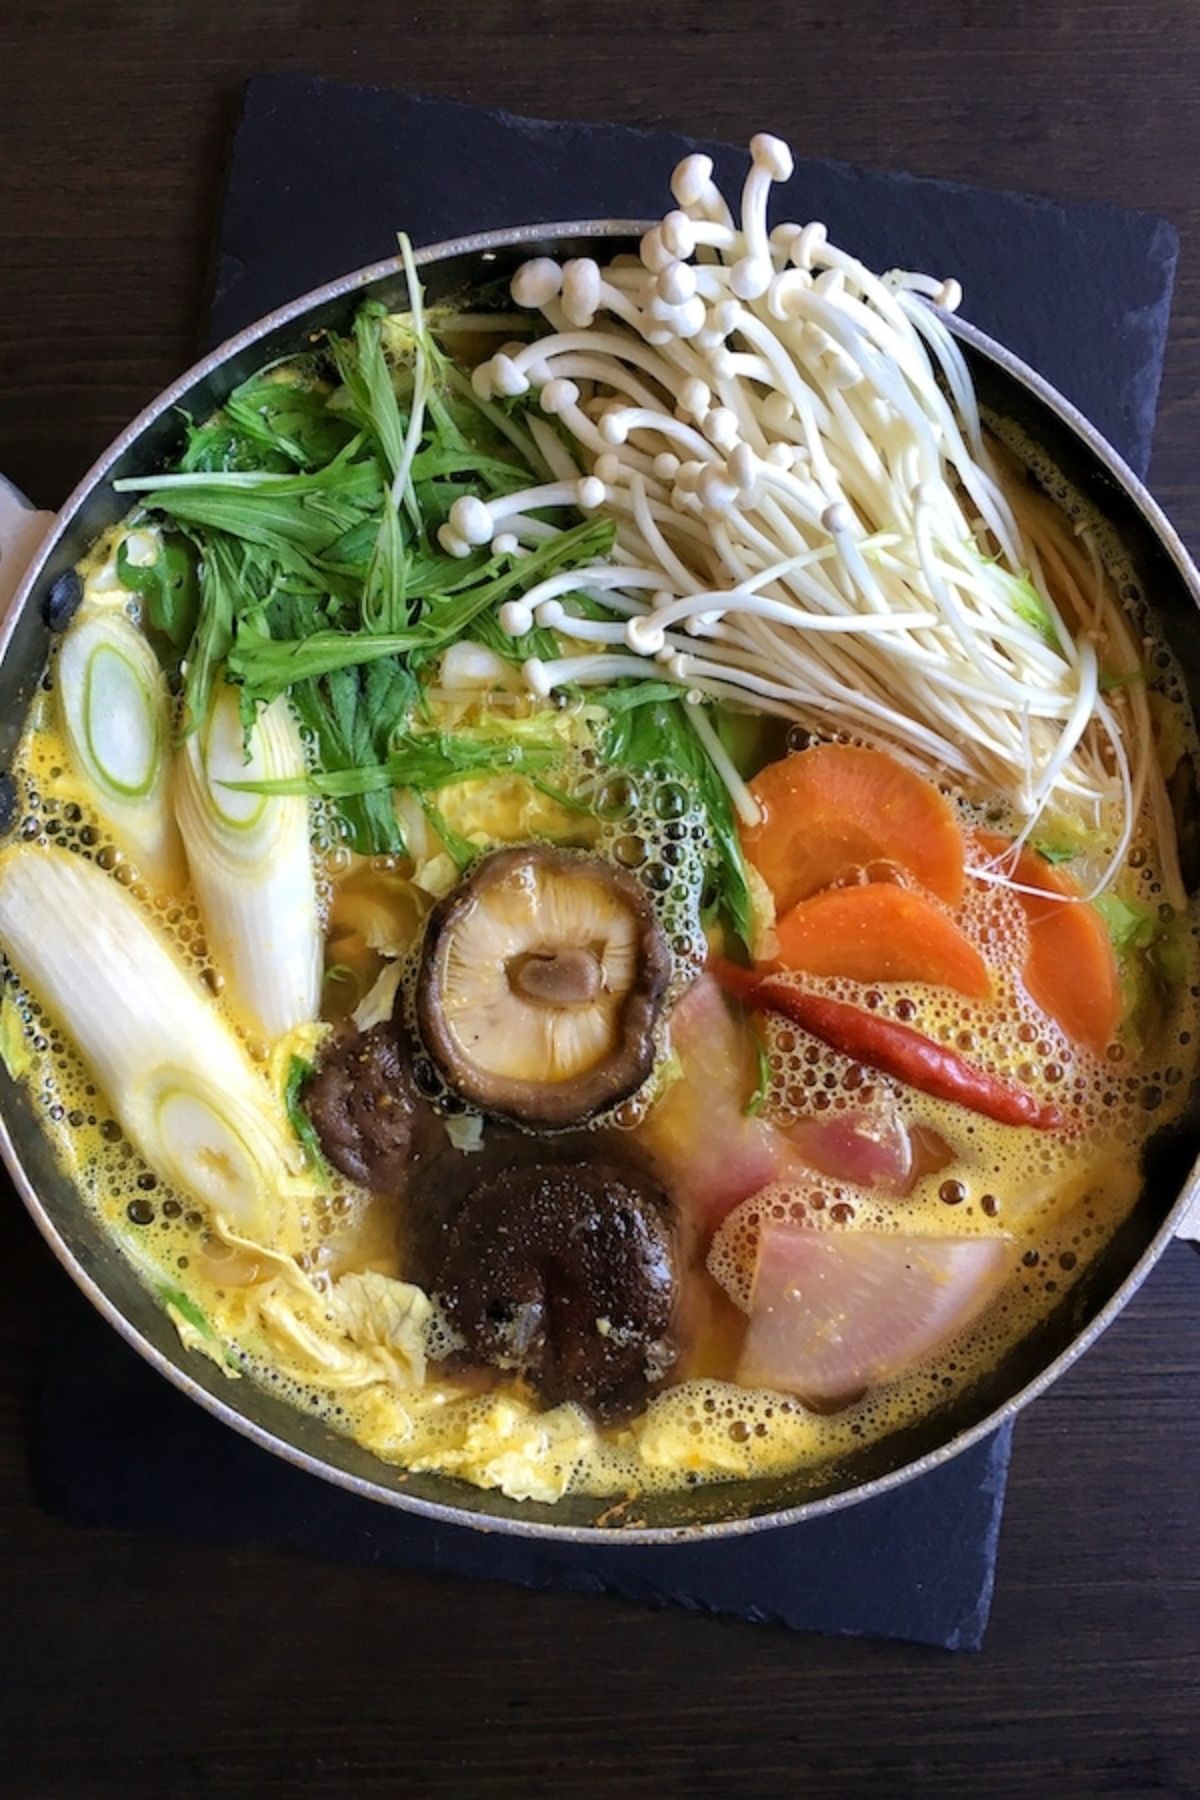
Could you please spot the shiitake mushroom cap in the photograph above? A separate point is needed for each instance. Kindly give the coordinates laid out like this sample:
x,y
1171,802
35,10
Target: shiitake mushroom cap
x,y
371,1122
559,1267
622,1068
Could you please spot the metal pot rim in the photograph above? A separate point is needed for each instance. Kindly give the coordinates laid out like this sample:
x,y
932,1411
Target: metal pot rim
x,y
487,245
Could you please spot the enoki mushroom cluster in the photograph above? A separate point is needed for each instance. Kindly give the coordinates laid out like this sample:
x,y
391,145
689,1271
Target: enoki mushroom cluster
x,y
808,515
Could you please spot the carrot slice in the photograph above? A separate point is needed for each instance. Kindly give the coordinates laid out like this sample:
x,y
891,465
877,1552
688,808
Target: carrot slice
x,y
881,932
837,809
1070,971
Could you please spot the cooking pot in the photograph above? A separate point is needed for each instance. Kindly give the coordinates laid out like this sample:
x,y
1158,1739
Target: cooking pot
x,y
1171,1178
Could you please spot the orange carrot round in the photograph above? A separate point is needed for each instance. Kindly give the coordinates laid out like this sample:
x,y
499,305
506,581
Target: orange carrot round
x,y
1070,971
836,810
881,932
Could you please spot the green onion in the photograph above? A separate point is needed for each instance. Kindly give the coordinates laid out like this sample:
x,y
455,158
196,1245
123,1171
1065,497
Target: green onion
x,y
176,1076
115,712
299,1072
251,863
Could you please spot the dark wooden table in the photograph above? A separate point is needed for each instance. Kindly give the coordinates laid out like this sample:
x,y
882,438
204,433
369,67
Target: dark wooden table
x,y
150,1667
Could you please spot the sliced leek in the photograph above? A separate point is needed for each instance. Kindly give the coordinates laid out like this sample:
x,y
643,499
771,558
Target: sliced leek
x,y
251,864
181,1084
115,712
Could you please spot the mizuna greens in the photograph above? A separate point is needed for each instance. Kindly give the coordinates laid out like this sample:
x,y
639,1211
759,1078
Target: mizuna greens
x,y
314,514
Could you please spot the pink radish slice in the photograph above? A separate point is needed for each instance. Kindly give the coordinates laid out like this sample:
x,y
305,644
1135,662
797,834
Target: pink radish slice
x,y
833,1313
709,1152
871,1148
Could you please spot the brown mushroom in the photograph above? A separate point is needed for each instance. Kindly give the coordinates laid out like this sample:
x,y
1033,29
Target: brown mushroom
x,y
371,1124
565,1273
542,978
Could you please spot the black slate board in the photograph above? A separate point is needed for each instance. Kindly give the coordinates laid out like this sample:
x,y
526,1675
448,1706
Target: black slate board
x,y
323,176
118,1446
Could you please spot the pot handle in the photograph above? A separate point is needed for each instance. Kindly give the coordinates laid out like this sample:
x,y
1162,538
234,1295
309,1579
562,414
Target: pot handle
x,y
22,529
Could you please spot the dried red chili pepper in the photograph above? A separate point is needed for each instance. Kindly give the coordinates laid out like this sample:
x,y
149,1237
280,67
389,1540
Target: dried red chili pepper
x,y
889,1047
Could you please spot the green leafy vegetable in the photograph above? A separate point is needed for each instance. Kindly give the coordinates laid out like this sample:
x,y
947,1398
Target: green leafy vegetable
x,y
1054,853
538,642
424,763
280,419
618,701
299,519
460,849
749,739
368,382
268,666
288,413
1131,926
1160,936
299,1072
354,714
186,1307
1028,605
15,1052
221,571
762,1080
168,588
194,1328
217,449
385,591
1152,950
647,732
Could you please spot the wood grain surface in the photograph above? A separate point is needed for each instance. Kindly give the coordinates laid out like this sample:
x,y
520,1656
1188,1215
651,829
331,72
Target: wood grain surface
x,y
130,1666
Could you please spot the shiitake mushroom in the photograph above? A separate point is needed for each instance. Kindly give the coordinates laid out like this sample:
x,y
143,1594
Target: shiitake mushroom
x,y
542,979
559,1269
364,1107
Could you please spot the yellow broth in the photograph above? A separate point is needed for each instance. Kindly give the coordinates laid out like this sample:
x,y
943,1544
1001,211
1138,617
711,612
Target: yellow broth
x,y
1055,1198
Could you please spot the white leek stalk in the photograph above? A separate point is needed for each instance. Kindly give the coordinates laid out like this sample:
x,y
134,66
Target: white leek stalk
x,y
116,716
184,1089
251,864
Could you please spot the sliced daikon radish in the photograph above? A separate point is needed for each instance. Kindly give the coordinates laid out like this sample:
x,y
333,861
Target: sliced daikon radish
x,y
833,1313
711,1152
870,1146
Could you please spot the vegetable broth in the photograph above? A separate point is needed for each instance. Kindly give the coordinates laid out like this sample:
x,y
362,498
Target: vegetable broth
x,y
543,866
1057,1203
